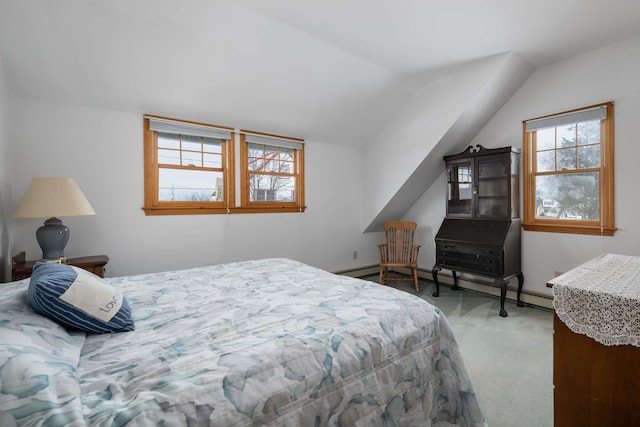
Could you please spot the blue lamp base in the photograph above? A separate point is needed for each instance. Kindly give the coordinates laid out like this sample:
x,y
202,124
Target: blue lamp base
x,y
52,238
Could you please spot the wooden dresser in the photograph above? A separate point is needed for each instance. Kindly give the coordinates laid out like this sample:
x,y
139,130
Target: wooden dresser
x,y
597,384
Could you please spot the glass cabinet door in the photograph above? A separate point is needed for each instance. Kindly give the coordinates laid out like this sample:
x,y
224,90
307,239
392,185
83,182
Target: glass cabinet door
x,y
460,188
494,177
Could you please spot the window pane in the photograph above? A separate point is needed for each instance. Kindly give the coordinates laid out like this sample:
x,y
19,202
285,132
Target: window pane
x,y
271,152
589,156
546,161
464,191
212,160
567,159
492,168
168,140
269,158
190,185
256,150
271,166
459,197
212,145
272,188
169,157
286,167
193,143
464,174
255,164
189,158
493,207
566,136
286,154
589,132
493,188
546,139
568,196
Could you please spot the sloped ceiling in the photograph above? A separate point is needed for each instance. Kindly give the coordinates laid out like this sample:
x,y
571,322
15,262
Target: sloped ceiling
x,y
405,157
332,71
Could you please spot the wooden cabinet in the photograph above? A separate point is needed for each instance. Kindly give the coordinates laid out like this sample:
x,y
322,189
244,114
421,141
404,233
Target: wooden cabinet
x,y
481,232
593,384
596,343
21,268
483,183
488,247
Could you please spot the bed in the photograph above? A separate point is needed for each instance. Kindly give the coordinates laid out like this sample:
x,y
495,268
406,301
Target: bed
x,y
252,343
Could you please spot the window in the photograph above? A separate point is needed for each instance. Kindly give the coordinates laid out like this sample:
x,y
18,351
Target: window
x,y
187,167
190,169
568,172
272,172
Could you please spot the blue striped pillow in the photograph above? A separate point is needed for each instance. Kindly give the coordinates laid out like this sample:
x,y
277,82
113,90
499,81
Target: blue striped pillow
x,y
78,299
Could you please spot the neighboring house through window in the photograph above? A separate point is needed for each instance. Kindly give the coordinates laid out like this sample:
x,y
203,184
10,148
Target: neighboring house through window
x,y
568,172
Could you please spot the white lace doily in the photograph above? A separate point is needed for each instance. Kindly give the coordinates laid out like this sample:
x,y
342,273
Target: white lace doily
x,y
601,299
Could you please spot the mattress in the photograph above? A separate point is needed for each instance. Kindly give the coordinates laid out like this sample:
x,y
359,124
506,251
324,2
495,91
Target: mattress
x,y
260,342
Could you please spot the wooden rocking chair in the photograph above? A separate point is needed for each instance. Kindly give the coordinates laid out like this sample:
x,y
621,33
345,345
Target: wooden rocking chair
x,y
399,251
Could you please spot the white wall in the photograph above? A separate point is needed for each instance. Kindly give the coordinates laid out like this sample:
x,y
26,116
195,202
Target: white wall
x,y
103,151
403,155
5,199
611,73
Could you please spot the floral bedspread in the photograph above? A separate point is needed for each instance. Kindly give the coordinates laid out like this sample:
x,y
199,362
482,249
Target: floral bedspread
x,y
263,342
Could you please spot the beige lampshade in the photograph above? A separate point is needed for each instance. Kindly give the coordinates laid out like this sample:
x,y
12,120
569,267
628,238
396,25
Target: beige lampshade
x,y
53,197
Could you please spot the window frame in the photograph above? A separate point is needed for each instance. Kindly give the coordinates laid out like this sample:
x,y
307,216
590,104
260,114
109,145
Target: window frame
x,y
271,206
154,206
604,226
233,182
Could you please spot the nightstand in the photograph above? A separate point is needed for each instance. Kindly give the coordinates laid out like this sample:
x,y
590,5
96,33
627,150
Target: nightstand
x,y
21,269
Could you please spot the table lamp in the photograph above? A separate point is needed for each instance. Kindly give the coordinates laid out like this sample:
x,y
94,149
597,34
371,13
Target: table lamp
x,y
51,198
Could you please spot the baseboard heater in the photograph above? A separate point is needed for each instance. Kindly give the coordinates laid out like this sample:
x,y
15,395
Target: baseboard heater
x,y
466,282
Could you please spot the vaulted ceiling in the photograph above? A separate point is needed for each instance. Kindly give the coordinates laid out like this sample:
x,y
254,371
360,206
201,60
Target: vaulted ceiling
x,y
359,73
334,71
